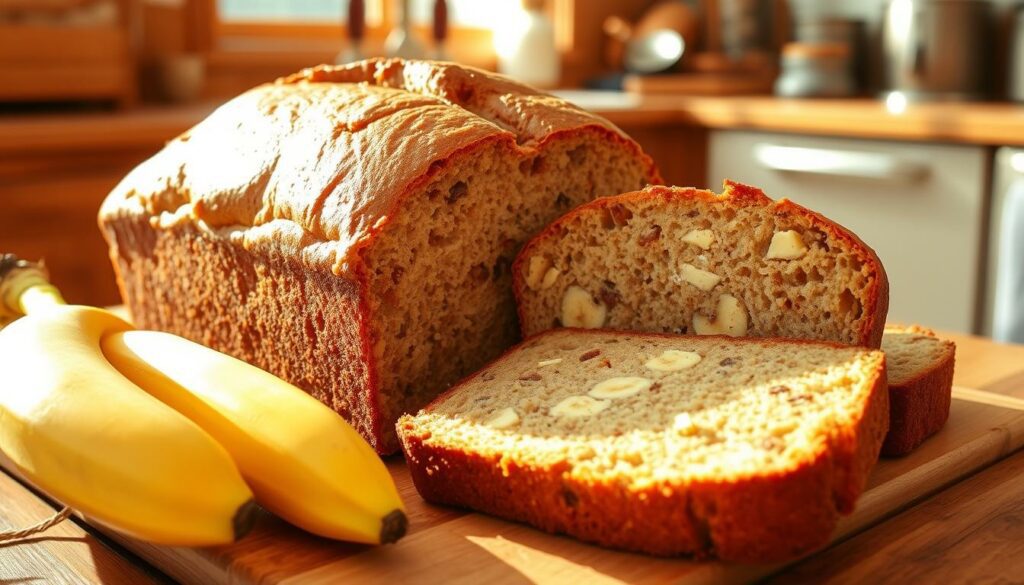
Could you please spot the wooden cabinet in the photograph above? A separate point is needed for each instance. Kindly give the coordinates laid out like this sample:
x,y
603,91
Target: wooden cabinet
x,y
55,171
49,211
68,50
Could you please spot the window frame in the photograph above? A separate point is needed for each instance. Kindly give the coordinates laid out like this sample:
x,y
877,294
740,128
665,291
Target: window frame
x,y
291,30
223,39
243,54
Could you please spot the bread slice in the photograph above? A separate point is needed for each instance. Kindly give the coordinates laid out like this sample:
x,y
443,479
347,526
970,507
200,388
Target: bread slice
x,y
351,229
688,261
920,375
747,449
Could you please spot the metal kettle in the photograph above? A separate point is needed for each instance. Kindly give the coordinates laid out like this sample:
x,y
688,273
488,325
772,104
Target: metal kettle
x,y
938,49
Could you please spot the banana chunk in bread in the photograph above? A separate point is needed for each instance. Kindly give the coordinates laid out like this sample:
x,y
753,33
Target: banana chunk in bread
x,y
747,449
680,260
920,372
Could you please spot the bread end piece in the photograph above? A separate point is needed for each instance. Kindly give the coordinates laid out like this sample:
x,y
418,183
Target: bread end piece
x,y
921,386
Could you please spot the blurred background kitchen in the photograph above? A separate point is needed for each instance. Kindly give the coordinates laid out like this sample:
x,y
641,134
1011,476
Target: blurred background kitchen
x,y
900,118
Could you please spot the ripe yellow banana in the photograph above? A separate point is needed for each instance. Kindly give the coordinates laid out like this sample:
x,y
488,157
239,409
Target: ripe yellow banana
x,y
85,434
302,460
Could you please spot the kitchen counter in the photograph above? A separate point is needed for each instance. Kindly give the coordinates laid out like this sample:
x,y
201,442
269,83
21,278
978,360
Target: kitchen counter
x,y
144,127
970,123
969,531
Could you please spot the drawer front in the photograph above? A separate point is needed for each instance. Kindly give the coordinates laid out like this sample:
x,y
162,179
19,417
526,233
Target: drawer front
x,y
920,206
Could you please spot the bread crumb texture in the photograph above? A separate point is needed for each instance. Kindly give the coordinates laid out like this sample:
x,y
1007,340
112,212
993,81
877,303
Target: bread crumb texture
x,y
911,351
920,373
629,415
674,260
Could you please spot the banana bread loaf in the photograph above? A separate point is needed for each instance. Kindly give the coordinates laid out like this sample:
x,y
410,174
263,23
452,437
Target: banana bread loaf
x,y
920,375
689,261
351,229
747,449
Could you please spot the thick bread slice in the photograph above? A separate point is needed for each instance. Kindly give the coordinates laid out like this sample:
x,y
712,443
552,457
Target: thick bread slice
x,y
351,229
689,261
920,371
748,449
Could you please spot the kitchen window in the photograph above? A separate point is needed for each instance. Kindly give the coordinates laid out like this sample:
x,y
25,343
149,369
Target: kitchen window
x,y
275,10
246,42
317,25
468,13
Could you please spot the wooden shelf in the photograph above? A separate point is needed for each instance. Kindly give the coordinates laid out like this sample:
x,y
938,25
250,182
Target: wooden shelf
x,y
54,63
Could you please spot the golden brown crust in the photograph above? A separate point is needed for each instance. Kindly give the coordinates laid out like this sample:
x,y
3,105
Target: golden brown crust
x,y
253,307
762,518
876,307
878,296
319,148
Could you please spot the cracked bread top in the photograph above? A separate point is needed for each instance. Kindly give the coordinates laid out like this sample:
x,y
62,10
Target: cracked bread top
x,y
315,164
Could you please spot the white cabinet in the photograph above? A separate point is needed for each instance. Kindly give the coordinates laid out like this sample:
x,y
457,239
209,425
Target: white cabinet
x,y
920,206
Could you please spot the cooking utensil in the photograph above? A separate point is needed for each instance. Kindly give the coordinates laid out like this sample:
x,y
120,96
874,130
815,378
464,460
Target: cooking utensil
x,y
815,70
938,49
1015,89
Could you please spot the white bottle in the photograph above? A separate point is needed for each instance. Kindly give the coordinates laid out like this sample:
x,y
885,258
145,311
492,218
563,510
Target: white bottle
x,y
400,41
526,47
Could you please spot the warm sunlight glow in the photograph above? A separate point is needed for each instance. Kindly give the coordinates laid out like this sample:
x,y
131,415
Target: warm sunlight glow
x,y
896,102
668,46
538,565
1017,162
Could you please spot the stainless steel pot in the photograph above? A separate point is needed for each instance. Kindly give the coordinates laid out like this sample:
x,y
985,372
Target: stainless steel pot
x,y
1016,85
938,49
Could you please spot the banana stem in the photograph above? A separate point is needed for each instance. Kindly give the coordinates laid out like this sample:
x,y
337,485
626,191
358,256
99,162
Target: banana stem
x,y
38,298
25,288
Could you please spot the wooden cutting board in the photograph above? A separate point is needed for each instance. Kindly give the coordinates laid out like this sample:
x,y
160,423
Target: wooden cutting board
x,y
446,545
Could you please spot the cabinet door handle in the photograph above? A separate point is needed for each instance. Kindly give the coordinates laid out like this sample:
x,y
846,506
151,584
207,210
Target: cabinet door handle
x,y
839,163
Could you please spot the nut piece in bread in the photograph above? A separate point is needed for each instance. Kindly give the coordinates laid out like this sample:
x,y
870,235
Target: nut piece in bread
x,y
703,279
730,319
700,238
786,245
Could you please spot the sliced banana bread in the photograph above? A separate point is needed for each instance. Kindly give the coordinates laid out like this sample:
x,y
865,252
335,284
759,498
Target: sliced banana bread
x,y
747,449
920,371
689,261
351,229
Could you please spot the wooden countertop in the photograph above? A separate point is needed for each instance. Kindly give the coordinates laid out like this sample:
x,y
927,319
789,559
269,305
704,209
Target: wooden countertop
x,y
45,133
968,532
995,124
